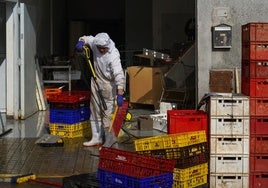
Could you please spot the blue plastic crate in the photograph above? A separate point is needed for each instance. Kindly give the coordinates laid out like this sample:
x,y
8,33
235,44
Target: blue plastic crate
x,y
110,179
69,116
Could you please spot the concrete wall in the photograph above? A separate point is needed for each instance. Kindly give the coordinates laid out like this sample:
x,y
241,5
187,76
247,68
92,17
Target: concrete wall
x,y
211,13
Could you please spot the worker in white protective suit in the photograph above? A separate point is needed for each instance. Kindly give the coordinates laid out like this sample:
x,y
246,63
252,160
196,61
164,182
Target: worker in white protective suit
x,y
111,80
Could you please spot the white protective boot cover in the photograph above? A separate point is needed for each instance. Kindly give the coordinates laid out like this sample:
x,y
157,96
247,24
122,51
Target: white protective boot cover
x,y
96,139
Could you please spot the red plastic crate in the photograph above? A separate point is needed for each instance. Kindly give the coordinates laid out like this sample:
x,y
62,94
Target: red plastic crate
x,y
259,144
70,96
258,162
70,100
186,121
258,106
254,69
132,163
255,51
255,87
69,105
255,32
258,180
259,125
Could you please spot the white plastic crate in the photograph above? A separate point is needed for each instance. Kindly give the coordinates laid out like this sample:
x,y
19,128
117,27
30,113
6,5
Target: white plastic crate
x,y
229,125
165,106
226,105
159,122
229,180
229,144
231,163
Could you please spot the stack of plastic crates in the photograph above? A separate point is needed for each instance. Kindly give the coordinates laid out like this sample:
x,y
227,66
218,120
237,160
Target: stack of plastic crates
x,y
69,114
229,140
125,169
188,149
255,84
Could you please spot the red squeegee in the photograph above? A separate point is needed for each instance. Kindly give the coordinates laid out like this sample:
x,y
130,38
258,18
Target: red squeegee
x,y
118,118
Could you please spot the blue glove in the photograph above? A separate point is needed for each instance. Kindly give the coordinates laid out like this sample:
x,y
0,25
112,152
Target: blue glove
x,y
120,100
79,46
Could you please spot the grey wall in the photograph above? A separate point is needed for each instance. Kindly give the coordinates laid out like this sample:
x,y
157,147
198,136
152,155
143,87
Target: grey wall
x,y
2,56
209,13
2,29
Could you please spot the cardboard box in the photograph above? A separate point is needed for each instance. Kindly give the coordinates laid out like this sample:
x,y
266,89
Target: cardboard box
x,y
145,84
160,122
145,123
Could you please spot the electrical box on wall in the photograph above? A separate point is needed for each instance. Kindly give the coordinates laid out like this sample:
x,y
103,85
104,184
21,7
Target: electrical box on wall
x,y
222,36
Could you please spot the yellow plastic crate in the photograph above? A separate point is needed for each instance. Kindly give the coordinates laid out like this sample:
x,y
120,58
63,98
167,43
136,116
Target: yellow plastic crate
x,y
73,134
179,153
191,172
69,127
170,141
191,183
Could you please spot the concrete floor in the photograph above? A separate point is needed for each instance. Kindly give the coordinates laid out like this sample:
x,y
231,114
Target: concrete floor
x,y
20,155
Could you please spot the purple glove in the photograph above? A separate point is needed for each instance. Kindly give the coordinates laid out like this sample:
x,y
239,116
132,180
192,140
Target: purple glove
x,y
79,46
120,100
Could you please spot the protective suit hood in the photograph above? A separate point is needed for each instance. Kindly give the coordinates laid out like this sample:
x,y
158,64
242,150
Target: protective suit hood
x,y
104,40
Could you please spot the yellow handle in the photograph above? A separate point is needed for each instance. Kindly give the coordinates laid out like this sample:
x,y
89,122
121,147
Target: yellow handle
x,y
113,117
87,55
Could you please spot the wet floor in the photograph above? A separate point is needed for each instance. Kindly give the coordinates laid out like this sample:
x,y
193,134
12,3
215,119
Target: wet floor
x,y
20,155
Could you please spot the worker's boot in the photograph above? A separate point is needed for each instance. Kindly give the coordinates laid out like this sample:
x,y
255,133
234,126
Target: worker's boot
x,y
96,139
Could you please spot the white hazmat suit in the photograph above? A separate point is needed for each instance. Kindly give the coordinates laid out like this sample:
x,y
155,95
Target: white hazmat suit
x,y
110,78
